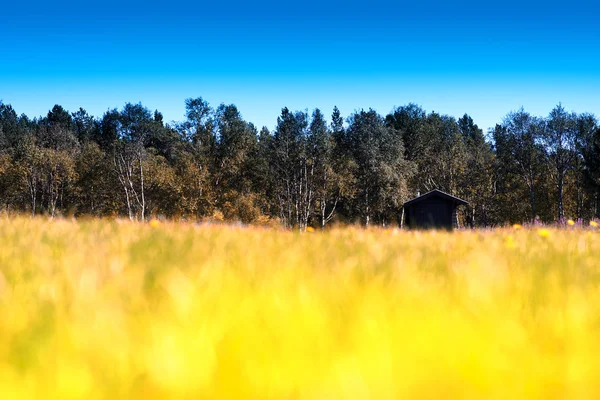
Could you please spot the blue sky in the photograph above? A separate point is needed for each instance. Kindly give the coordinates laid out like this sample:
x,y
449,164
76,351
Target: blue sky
x,y
452,57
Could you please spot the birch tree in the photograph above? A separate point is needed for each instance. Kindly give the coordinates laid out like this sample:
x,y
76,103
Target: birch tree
x,y
559,136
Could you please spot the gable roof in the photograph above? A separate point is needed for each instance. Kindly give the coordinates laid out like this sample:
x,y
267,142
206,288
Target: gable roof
x,y
436,193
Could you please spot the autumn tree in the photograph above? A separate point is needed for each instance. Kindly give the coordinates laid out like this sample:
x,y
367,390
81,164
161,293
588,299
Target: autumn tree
x,y
236,143
559,137
381,169
520,151
133,125
476,183
292,169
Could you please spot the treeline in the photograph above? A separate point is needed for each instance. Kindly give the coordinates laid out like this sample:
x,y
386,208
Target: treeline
x,y
307,172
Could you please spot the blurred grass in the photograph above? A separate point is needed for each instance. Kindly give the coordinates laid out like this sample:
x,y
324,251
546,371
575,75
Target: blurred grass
x,y
100,309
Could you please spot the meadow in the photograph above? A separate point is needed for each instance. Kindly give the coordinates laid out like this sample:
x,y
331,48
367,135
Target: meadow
x,y
98,309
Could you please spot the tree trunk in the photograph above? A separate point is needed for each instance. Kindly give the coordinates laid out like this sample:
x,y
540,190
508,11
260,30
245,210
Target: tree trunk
x,y
367,209
402,218
561,212
142,185
532,203
33,191
531,184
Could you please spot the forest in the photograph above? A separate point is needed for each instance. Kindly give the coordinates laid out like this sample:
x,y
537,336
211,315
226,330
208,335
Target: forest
x,y
309,171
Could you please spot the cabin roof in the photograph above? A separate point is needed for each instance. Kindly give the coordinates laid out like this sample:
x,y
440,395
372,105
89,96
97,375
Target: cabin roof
x,y
436,193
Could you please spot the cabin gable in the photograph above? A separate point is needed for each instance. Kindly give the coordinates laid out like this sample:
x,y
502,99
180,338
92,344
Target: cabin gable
x,y
433,210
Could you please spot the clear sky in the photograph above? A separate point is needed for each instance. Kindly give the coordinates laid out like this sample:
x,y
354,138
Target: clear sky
x,y
484,58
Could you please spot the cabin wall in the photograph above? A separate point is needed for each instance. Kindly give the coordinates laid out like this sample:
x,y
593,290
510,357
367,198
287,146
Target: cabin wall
x,y
433,212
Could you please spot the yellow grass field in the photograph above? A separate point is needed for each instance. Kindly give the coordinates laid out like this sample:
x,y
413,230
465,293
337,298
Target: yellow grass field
x,y
106,310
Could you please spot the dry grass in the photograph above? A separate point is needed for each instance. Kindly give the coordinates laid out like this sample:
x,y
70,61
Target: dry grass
x,y
102,309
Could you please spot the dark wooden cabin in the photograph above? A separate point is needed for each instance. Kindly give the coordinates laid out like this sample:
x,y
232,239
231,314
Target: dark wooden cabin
x,y
434,209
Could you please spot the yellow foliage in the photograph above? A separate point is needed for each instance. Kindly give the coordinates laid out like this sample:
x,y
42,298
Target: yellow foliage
x,y
112,309
154,223
543,232
510,242
218,216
